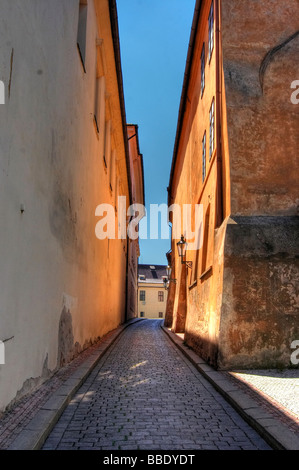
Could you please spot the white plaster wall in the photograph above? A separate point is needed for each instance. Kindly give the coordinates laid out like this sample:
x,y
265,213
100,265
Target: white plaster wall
x,y
50,161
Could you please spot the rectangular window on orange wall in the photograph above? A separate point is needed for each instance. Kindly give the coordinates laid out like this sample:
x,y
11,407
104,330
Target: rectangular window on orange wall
x,y
160,296
97,105
160,314
82,31
107,150
211,31
112,170
212,128
204,156
202,65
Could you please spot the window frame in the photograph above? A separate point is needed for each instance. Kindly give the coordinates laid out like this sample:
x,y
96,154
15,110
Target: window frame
x,y
204,156
211,30
202,70
107,144
142,294
212,128
99,103
82,31
160,296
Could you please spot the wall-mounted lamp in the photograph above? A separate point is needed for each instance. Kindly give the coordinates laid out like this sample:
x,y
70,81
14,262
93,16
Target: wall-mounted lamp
x,y
182,247
167,280
168,271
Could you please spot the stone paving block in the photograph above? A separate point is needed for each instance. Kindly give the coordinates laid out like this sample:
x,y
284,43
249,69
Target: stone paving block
x,y
56,402
283,436
65,389
42,420
244,402
221,382
27,439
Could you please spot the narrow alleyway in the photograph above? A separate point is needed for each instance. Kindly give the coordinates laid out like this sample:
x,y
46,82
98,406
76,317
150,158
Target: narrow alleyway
x,y
144,394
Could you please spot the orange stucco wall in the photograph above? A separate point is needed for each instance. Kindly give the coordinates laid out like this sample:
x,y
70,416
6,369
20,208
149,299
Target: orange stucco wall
x,y
260,62
233,304
202,287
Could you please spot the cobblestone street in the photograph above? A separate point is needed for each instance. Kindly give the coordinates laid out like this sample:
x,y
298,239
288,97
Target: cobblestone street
x,y
144,394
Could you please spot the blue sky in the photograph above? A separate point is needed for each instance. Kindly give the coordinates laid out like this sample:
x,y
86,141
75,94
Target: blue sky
x,y
154,38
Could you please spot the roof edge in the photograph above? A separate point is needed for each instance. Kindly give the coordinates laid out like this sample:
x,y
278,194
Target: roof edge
x,y
116,46
188,65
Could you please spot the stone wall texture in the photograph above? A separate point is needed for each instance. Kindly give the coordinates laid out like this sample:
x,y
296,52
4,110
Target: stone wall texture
x,y
241,304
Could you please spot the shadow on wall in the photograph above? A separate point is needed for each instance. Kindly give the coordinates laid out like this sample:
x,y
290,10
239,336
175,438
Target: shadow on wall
x,y
206,349
215,356
67,348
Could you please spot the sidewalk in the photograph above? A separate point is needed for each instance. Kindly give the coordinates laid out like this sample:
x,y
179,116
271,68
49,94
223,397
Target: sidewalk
x,y
267,400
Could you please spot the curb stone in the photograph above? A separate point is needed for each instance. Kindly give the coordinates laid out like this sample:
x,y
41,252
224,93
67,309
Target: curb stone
x,y
273,431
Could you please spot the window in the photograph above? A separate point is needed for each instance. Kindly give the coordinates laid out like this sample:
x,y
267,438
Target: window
x,y
82,28
202,61
96,107
141,314
160,296
204,157
107,150
211,30
142,295
2,93
212,128
99,105
160,314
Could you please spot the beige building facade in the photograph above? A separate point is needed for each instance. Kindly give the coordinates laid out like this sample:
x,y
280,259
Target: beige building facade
x,y
64,153
152,295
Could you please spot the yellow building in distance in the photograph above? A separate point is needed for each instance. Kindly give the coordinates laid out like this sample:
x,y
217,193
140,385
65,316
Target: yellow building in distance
x,y
152,295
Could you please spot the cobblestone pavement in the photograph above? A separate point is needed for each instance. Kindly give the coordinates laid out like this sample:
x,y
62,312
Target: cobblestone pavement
x,y
15,420
144,394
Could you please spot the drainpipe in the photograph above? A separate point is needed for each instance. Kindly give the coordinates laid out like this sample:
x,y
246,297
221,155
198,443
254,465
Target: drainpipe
x,y
219,197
